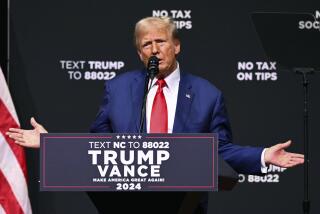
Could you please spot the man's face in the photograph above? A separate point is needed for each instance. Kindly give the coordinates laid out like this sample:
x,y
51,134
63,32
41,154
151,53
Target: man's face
x,y
158,42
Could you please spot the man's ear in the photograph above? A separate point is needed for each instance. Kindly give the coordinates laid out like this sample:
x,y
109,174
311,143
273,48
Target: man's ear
x,y
140,55
176,46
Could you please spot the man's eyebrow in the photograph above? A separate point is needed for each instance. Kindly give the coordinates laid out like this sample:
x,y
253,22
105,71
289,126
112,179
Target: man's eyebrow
x,y
146,43
160,40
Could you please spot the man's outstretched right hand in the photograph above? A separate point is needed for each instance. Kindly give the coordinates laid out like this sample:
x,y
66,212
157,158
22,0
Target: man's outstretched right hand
x,y
27,138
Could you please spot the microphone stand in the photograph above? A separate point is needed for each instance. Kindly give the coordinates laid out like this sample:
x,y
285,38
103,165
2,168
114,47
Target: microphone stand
x,y
143,109
306,200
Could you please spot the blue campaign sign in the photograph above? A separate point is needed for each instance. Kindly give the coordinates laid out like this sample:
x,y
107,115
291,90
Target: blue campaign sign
x,y
128,162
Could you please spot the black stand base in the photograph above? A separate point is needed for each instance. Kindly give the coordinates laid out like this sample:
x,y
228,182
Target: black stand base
x,y
306,207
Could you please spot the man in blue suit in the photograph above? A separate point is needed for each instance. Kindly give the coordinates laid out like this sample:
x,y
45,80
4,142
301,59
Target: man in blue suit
x,y
194,105
188,104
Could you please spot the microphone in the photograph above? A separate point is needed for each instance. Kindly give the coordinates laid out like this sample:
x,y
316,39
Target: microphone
x,y
153,67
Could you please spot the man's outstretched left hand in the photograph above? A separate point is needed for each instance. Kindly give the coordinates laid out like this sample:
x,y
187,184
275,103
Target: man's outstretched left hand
x,y
276,155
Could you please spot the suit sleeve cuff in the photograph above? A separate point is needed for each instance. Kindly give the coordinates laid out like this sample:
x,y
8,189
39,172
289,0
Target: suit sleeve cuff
x,y
264,168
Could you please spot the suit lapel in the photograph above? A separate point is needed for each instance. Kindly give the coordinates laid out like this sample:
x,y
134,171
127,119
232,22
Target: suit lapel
x,y
137,92
185,97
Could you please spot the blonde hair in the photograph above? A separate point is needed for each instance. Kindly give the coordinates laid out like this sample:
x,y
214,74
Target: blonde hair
x,y
165,22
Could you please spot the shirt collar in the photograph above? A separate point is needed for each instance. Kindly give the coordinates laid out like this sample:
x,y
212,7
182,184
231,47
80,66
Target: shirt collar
x,y
172,80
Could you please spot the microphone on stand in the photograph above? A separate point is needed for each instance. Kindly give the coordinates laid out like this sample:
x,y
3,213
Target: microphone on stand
x,y
152,72
153,67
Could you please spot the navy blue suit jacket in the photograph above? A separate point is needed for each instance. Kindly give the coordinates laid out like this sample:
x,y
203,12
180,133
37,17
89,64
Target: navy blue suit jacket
x,y
200,109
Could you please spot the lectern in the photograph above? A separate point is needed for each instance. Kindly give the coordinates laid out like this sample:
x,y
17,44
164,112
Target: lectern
x,y
143,173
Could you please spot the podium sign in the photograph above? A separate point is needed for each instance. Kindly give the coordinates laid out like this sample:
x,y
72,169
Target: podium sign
x,y
128,162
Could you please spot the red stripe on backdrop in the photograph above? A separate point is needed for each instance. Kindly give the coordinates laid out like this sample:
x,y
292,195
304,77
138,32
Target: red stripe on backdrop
x,y
7,199
6,122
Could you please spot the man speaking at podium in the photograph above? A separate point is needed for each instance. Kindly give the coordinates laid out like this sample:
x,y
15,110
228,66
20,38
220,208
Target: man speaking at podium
x,y
177,102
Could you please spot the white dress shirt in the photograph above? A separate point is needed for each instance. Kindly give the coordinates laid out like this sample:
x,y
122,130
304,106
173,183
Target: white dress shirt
x,y
170,92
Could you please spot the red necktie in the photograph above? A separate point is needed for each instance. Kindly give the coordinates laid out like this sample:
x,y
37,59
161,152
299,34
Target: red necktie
x,y
159,112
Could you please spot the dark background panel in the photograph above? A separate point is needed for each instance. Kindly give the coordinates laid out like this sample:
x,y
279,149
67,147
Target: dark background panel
x,y
222,34
3,36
